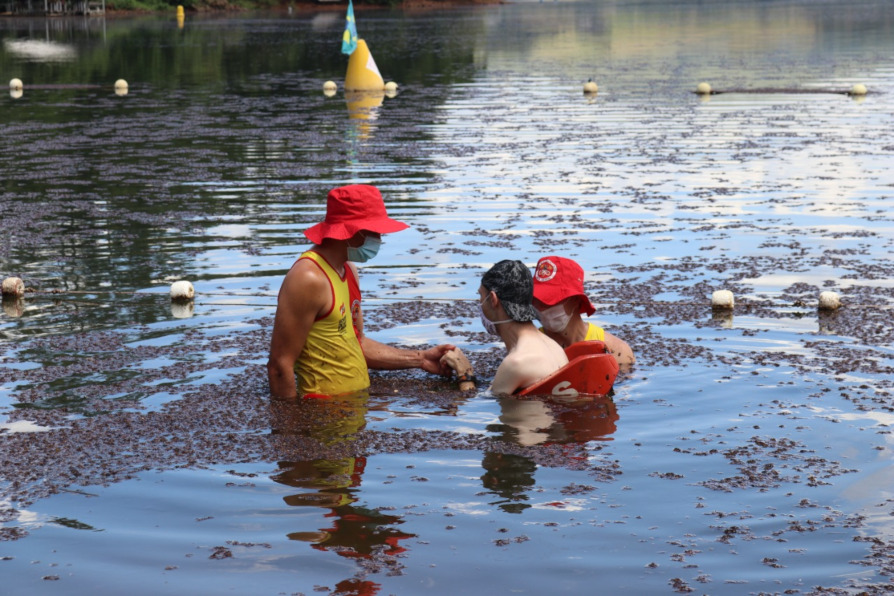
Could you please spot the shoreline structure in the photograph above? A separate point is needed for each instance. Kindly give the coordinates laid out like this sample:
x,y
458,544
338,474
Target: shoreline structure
x,y
225,6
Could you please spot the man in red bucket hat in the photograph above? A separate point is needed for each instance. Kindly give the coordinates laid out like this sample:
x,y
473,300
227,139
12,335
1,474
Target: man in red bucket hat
x,y
559,300
318,330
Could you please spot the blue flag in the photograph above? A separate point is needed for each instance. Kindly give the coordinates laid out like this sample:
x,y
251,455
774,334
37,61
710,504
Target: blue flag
x,y
349,39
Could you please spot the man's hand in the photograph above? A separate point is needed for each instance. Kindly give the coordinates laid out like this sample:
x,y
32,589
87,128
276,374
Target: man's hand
x,y
432,360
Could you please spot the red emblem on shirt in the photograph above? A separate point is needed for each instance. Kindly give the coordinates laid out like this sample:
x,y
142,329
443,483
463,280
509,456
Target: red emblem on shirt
x,y
355,312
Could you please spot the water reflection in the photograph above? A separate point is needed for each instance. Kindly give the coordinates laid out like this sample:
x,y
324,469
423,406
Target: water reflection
x,y
532,422
13,306
331,482
722,319
509,477
490,149
539,421
40,51
363,110
827,322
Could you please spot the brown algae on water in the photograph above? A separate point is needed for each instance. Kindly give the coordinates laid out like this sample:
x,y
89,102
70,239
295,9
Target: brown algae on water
x,y
747,450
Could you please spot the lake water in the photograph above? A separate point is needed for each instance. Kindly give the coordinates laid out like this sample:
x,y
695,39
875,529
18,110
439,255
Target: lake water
x,y
748,452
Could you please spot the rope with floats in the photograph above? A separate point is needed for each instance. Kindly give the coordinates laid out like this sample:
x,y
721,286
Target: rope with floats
x,y
858,90
182,292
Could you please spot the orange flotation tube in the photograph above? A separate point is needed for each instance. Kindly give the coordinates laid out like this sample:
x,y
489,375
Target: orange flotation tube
x,y
590,371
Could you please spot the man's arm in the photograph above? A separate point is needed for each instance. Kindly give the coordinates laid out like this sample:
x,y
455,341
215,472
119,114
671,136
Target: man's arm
x,y
384,357
305,294
381,356
507,378
620,350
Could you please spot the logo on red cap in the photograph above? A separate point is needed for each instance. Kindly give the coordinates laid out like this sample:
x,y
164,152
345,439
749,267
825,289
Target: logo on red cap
x,y
546,270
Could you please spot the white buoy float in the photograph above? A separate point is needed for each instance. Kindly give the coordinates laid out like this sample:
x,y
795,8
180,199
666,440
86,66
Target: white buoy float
x,y
391,89
15,84
13,286
182,291
121,87
591,87
722,300
330,86
703,89
829,301
859,89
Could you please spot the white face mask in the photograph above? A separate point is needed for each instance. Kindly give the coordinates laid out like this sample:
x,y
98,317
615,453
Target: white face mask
x,y
489,326
554,318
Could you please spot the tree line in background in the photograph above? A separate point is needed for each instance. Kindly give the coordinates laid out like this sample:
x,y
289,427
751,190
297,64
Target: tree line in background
x,y
230,5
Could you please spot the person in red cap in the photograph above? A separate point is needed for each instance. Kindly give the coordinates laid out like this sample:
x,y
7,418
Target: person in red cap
x,y
559,299
318,330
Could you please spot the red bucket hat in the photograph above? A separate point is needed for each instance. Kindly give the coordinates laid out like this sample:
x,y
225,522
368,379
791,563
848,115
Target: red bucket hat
x,y
558,278
350,209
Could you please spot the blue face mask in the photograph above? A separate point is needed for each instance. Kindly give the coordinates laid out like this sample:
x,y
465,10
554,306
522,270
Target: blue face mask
x,y
365,251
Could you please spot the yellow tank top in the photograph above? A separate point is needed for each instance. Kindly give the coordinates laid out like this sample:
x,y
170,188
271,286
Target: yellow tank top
x,y
595,332
332,361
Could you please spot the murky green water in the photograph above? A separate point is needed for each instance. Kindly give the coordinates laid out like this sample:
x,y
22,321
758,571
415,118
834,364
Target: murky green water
x,y
745,453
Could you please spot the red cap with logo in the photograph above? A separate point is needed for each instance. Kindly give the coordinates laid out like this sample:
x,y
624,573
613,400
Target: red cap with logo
x,y
558,278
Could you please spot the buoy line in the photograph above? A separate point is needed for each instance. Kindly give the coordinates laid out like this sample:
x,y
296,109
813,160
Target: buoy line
x,y
858,90
827,301
183,292
792,91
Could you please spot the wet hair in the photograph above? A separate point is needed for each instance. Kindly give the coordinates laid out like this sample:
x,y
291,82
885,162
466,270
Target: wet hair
x,y
511,281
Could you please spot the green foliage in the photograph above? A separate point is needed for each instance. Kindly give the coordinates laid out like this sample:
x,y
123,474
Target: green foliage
x,y
211,5
137,5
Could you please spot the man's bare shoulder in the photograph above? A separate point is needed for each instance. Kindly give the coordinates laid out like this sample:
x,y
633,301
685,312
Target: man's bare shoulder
x,y
305,270
515,366
529,362
305,280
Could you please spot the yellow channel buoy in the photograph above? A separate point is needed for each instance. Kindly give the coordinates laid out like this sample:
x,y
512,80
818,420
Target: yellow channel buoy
x,y
363,74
